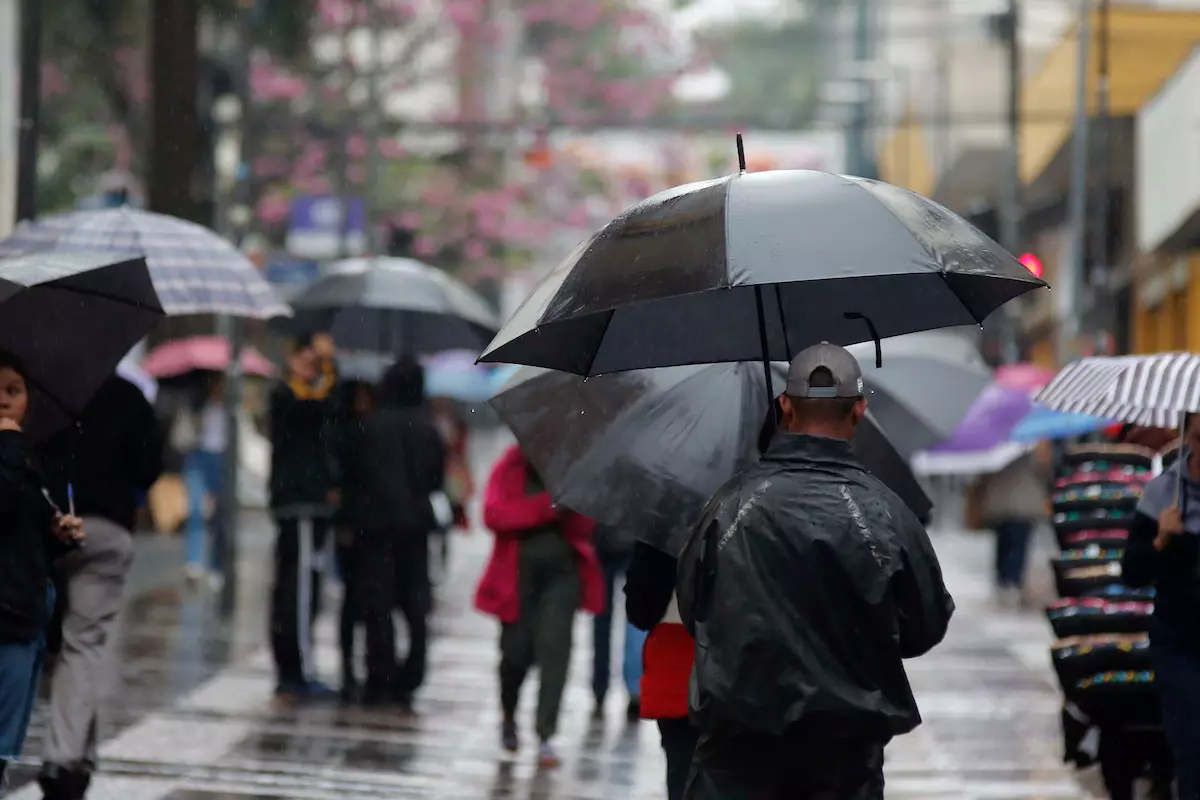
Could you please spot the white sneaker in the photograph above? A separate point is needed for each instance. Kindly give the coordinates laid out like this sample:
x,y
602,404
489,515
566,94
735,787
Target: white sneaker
x,y
194,572
216,581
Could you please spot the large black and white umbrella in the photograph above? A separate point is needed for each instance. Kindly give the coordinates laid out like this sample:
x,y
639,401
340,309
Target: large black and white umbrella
x,y
759,265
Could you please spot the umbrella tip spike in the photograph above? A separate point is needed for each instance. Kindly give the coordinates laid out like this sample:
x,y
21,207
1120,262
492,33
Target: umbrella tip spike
x,y
741,153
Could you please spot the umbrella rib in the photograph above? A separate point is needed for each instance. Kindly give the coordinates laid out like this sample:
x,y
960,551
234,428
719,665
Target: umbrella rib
x,y
103,296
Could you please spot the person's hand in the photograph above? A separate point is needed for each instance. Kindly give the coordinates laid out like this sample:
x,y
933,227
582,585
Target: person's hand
x,y
7,424
68,529
1170,523
334,497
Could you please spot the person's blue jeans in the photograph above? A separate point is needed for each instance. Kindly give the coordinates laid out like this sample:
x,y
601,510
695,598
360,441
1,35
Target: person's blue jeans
x,y
614,566
1177,676
1012,549
20,671
202,476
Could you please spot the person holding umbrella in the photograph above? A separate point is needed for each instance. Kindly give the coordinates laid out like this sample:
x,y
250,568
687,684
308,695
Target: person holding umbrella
x,y
805,584
32,534
303,498
542,569
1163,551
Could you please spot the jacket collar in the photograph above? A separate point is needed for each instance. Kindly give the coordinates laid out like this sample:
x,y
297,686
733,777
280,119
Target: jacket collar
x,y
802,448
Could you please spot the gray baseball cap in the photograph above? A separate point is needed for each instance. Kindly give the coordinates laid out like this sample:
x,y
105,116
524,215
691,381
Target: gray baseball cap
x,y
847,375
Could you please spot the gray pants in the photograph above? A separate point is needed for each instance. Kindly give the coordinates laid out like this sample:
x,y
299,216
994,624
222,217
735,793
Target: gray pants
x,y
93,578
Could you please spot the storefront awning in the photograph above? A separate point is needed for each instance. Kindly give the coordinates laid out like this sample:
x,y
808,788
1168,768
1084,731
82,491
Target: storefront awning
x,y
1146,47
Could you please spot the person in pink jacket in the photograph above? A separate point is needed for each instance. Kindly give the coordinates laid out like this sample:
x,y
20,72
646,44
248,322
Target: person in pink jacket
x,y
542,569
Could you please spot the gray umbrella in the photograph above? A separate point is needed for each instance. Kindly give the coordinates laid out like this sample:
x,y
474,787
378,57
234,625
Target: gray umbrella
x,y
645,449
759,264
71,318
926,384
395,305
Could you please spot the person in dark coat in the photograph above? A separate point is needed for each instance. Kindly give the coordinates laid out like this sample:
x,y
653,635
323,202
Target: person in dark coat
x,y
806,584
32,534
111,458
1163,551
303,499
397,461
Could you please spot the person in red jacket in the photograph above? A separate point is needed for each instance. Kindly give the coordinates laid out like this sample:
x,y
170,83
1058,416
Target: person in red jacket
x,y
542,569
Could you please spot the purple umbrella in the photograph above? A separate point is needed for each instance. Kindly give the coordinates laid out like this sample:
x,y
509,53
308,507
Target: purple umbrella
x,y
989,421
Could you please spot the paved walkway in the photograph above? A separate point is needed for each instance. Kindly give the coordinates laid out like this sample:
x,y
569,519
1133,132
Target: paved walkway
x,y
192,718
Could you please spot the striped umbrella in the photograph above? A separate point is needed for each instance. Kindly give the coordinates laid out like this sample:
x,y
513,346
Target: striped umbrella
x,y
1153,390
194,270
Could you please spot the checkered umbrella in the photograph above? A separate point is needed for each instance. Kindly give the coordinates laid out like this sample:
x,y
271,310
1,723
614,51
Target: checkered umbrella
x,y
194,270
1152,390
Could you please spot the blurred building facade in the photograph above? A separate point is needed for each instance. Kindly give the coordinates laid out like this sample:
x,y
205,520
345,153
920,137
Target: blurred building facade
x,y
948,137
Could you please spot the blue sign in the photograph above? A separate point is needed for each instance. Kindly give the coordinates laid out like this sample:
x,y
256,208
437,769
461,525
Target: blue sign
x,y
316,229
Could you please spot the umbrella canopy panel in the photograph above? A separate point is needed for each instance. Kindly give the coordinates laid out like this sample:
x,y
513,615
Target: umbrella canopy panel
x,y
689,276
1152,390
203,353
71,318
396,305
194,270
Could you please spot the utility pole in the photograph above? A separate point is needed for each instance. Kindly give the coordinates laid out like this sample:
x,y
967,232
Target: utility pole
x,y
1070,283
232,328
1101,276
373,127
30,108
1011,212
856,147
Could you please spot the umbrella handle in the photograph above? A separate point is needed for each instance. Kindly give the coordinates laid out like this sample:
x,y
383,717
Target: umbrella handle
x,y
741,150
874,335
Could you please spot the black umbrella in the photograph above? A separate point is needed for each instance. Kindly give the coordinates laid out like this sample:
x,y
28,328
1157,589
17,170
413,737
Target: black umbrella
x,y
395,305
71,318
759,265
646,449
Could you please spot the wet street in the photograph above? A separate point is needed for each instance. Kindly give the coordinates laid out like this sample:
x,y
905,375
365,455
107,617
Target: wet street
x,y
192,717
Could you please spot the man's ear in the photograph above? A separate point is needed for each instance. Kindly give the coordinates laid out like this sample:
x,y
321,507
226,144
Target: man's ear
x,y
860,409
785,409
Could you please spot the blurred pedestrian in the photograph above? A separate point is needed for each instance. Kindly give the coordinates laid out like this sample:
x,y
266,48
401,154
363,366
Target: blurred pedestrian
x,y
614,548
396,465
542,569
667,658
805,585
34,533
460,483
110,460
303,499
1015,501
200,434
1163,551
355,407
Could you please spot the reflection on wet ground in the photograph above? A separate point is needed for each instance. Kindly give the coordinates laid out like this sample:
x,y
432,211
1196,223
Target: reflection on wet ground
x,y
191,717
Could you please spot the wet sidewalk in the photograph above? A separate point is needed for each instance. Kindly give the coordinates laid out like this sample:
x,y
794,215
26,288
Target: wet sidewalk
x,y
192,718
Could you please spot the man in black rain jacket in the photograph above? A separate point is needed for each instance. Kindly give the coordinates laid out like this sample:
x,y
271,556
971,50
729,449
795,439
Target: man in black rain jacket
x,y
805,585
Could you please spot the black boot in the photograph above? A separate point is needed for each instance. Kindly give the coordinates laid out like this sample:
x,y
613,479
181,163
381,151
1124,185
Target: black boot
x,y
60,783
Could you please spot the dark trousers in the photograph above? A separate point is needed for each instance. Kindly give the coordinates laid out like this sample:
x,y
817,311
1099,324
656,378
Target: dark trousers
x,y
759,767
541,636
1012,547
394,572
294,598
1177,676
613,565
679,738
348,558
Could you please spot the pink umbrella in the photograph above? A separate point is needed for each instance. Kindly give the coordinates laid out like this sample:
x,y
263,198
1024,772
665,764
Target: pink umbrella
x,y
208,353
1026,377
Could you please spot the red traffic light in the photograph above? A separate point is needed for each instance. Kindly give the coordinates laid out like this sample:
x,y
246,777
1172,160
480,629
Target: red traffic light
x,y
1032,263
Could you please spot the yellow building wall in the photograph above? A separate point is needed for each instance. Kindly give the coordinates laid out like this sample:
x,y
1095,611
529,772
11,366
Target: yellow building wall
x,y
1174,323
1146,47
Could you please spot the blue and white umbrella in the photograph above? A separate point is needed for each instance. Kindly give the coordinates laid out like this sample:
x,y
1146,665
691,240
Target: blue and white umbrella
x,y
194,270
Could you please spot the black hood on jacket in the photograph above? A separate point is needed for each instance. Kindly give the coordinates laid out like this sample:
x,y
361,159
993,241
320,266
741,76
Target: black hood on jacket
x,y
403,385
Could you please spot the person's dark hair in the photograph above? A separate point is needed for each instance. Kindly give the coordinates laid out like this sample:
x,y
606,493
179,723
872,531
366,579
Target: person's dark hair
x,y
403,385
823,409
11,361
303,341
